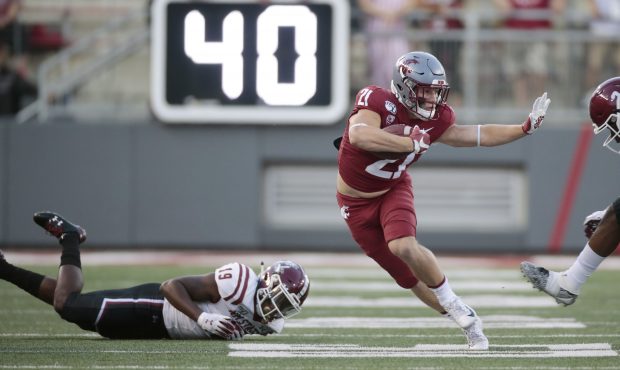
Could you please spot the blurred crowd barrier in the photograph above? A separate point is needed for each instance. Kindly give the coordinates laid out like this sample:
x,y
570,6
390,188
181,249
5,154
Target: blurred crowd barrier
x,y
272,186
495,72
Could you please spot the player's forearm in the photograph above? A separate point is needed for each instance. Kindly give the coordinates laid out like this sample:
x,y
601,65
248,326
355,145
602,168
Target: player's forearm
x,y
373,139
179,297
494,134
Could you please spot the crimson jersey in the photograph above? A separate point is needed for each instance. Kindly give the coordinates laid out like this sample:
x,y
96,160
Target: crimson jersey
x,y
361,169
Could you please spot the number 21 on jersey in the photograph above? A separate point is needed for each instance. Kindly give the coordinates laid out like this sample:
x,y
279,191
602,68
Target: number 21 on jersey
x,y
376,168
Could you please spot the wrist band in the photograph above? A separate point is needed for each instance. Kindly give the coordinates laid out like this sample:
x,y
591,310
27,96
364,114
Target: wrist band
x,y
478,139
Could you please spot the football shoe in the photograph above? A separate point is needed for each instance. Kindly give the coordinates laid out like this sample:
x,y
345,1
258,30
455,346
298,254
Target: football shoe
x,y
462,314
58,226
550,282
475,337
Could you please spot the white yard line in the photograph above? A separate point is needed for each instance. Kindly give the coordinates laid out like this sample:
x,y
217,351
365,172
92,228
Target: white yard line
x,y
477,301
451,335
280,350
375,272
490,322
339,335
390,286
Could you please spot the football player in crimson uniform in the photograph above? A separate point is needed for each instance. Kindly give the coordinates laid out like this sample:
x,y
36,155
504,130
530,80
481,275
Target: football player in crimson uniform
x,y
602,228
226,304
375,193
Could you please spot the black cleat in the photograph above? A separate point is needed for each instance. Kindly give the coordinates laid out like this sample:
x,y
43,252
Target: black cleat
x,y
56,225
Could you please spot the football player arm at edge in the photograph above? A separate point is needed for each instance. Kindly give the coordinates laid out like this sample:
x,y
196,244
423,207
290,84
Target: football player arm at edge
x,y
182,292
365,133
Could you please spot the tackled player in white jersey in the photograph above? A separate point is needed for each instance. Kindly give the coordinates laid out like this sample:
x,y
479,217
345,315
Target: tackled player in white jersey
x,y
226,304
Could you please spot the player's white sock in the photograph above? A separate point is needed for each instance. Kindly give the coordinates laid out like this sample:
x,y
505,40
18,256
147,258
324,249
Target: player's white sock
x,y
444,292
583,267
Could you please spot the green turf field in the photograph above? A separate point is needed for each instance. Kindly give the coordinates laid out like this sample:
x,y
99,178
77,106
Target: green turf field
x,y
355,318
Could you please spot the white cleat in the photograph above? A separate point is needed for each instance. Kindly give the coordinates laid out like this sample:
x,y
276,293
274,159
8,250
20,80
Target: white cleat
x,y
475,337
549,282
462,314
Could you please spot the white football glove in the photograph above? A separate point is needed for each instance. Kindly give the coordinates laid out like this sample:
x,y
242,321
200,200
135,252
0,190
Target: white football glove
x,y
535,119
421,140
591,222
220,325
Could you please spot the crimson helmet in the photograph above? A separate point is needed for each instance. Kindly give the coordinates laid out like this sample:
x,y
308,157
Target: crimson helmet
x,y
419,82
283,288
604,110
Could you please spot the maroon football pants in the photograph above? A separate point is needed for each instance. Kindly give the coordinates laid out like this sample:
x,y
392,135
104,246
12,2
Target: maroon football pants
x,y
375,222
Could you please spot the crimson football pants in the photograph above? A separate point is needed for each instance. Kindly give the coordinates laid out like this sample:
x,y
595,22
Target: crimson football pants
x,y
375,222
132,313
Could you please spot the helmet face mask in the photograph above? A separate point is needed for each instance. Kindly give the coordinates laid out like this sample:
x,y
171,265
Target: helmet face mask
x,y
613,140
282,290
427,100
275,301
419,83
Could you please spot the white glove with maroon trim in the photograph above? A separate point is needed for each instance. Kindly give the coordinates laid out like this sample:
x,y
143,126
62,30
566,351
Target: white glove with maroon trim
x,y
421,140
220,325
536,117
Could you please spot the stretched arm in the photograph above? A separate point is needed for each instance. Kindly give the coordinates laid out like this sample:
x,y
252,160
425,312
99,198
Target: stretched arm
x,y
490,135
493,134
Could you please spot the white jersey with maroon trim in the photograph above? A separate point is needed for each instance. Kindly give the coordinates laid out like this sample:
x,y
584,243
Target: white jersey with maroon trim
x,y
237,285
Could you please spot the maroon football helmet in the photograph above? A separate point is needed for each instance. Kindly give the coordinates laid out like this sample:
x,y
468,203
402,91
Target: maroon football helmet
x,y
604,110
283,288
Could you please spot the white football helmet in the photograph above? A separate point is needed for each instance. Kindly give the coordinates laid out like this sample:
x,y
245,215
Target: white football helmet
x,y
283,288
419,82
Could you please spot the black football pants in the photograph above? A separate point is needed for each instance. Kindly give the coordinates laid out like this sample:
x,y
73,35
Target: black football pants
x,y
132,313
